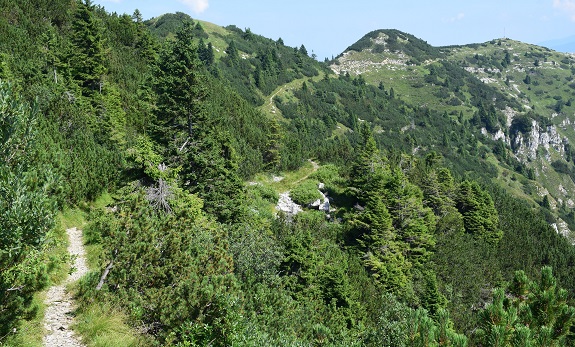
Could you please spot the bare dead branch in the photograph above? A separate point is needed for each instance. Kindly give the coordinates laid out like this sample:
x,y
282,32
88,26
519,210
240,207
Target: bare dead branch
x,y
104,275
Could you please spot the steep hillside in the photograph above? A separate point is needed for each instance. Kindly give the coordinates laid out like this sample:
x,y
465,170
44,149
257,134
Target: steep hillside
x,y
508,91
236,192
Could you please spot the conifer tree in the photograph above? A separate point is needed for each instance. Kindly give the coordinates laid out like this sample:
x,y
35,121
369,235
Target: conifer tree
x,y
479,214
89,54
368,162
189,132
529,313
384,252
414,222
233,53
145,43
272,156
205,52
181,89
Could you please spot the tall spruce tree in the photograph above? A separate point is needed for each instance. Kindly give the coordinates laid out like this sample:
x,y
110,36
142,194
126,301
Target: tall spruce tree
x,y
479,214
384,252
181,90
89,53
189,131
414,222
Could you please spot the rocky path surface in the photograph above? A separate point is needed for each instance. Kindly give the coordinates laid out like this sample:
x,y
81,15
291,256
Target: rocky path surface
x,y
285,203
60,304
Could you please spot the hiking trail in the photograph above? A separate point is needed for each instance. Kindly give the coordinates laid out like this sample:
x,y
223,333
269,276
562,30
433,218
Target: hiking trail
x,y
60,307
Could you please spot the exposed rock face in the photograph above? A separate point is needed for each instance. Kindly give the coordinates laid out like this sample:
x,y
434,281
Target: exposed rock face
x,y
290,208
527,145
562,228
321,204
498,135
286,205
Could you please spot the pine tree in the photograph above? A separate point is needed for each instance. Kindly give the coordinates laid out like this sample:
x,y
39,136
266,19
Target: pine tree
x,y
206,52
367,163
479,214
529,313
89,55
145,43
181,89
414,222
173,269
384,253
190,133
233,53
272,156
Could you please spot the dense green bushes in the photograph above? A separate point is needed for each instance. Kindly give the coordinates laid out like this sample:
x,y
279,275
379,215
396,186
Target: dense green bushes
x,y
171,271
26,208
411,250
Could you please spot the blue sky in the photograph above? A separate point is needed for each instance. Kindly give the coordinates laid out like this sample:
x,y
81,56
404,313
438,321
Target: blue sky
x,y
328,27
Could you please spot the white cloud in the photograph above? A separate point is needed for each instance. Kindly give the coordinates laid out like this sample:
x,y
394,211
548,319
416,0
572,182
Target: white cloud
x,y
197,6
457,18
568,6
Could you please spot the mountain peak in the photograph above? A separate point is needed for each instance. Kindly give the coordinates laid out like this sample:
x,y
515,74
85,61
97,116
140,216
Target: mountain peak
x,y
395,41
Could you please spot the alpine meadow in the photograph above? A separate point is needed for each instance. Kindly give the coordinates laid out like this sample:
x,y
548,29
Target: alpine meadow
x,y
234,191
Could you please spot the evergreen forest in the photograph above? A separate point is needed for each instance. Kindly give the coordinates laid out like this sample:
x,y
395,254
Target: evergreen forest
x,y
170,141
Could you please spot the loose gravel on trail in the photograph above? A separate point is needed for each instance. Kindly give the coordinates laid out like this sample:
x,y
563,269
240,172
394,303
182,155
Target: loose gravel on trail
x,y
60,304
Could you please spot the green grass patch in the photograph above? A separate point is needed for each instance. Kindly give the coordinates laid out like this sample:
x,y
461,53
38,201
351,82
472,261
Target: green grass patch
x,y
285,181
57,259
102,325
30,332
57,243
93,252
70,218
103,200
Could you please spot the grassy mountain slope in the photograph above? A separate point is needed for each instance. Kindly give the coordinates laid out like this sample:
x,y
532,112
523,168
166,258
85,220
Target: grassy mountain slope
x,y
514,83
529,87
189,125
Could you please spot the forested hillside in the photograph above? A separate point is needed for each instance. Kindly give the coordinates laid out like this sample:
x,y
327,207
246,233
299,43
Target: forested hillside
x,y
409,220
515,98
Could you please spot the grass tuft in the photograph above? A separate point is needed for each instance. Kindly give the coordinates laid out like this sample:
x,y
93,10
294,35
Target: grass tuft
x,y
30,332
104,326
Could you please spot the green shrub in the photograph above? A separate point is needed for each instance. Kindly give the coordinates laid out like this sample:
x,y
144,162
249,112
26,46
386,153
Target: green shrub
x,y
326,174
171,271
266,193
305,193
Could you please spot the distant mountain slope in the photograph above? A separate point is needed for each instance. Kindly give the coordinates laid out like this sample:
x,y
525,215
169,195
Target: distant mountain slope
x,y
514,99
513,93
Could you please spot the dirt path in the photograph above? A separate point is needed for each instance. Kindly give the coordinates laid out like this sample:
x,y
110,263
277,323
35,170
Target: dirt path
x,y
315,168
273,96
285,203
60,304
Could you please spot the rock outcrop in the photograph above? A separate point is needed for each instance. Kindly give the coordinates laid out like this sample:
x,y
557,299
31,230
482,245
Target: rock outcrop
x,y
287,205
527,145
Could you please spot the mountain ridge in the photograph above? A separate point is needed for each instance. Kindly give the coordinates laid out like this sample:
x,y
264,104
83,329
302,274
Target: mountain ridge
x,y
443,168
452,79
524,80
